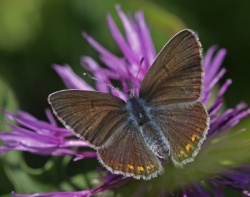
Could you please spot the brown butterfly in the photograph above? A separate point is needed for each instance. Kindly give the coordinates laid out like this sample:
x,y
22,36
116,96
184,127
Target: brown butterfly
x,y
167,120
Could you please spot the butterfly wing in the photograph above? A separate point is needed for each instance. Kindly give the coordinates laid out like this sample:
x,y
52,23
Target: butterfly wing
x,y
185,129
92,116
128,154
172,87
175,77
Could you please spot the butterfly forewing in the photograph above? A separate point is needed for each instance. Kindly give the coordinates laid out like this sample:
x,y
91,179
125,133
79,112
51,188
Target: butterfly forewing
x,y
175,77
93,116
128,154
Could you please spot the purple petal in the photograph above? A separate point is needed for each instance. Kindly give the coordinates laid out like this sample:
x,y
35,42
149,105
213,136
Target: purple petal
x,y
115,63
121,42
228,119
85,155
212,68
39,137
94,67
117,181
50,117
70,79
246,192
223,89
216,79
132,35
209,58
85,193
146,41
32,123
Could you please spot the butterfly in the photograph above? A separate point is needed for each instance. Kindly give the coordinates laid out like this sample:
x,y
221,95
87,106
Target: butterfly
x,y
167,121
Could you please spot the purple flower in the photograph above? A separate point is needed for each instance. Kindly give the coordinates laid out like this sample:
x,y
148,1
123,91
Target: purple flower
x,y
39,137
215,167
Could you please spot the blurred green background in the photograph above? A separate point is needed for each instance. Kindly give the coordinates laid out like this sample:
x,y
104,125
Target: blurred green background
x,y
36,34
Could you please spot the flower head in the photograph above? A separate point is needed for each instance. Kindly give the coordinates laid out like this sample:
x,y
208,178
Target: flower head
x,y
46,138
40,137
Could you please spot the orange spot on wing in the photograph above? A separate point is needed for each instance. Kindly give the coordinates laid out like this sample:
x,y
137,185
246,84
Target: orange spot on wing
x,y
188,147
150,167
181,153
140,168
131,167
193,138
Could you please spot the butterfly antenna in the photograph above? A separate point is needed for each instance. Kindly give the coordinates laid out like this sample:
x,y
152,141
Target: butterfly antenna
x,y
136,77
142,60
103,82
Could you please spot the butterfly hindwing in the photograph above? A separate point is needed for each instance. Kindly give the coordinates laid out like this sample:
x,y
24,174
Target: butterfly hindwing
x,y
93,116
128,154
185,129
